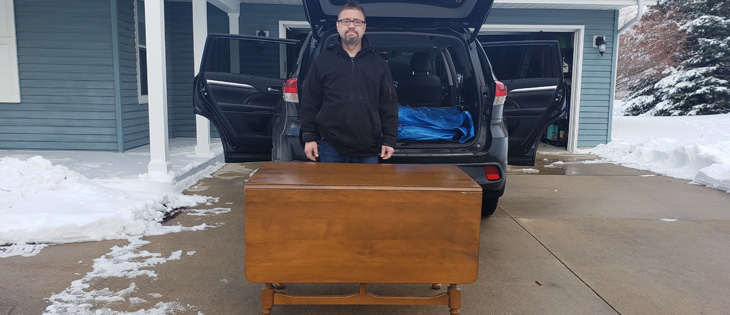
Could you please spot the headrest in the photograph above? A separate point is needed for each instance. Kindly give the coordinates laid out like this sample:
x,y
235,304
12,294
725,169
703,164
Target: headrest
x,y
421,62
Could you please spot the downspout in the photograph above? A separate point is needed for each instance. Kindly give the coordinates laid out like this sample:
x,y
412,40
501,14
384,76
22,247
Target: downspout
x,y
636,19
628,25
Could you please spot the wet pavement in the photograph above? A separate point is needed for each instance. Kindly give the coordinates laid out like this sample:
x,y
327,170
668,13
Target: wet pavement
x,y
569,237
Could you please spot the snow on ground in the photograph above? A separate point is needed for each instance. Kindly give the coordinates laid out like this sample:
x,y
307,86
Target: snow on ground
x,y
696,148
82,297
63,197
71,196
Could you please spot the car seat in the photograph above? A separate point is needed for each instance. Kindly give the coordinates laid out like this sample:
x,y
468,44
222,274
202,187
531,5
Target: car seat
x,y
421,87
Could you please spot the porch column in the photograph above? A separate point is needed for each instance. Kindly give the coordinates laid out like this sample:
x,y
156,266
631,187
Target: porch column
x,y
200,32
233,29
233,23
157,83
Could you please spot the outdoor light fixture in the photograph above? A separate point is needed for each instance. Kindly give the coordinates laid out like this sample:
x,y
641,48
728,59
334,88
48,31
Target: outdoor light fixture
x,y
601,44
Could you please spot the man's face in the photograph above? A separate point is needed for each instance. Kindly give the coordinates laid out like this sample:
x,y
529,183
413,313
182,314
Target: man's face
x,y
351,34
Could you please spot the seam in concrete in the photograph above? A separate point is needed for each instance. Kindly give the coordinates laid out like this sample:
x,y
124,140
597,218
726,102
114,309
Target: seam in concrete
x,y
561,262
6,309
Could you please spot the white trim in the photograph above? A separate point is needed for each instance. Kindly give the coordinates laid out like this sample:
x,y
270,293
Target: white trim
x,y
233,23
157,83
233,28
578,33
9,82
282,34
284,24
141,99
227,6
200,33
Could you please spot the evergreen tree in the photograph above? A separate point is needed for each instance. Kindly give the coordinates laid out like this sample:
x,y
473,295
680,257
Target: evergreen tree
x,y
700,84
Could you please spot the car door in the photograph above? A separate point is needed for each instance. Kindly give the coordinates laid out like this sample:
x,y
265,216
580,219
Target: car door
x,y
536,92
239,87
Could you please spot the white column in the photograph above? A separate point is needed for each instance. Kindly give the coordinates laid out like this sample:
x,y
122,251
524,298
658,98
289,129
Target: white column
x,y
200,32
157,83
233,23
233,29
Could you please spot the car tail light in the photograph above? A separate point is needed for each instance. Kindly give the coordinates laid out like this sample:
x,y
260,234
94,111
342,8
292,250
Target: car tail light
x,y
290,91
500,93
492,173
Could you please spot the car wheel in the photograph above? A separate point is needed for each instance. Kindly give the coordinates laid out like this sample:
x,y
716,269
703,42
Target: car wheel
x,y
489,205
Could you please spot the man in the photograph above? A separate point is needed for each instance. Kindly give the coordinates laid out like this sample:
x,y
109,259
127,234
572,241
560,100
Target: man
x,y
349,102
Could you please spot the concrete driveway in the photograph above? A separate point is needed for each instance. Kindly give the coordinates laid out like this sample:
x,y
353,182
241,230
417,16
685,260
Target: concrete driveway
x,y
575,238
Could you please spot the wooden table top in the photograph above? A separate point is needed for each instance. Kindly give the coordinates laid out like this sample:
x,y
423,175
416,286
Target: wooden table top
x,y
304,175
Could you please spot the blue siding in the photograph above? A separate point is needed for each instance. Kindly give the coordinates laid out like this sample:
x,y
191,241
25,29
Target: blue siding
x,y
180,63
267,16
134,117
65,64
598,71
75,95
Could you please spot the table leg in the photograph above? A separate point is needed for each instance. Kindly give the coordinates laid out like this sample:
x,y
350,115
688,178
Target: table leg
x,y
454,299
267,299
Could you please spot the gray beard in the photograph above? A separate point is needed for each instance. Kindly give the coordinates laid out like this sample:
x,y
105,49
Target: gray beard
x,y
351,40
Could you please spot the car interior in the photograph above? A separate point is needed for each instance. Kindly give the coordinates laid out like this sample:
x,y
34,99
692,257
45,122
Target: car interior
x,y
427,71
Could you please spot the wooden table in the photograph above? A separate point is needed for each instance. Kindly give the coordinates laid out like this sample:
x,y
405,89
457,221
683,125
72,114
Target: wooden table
x,y
361,223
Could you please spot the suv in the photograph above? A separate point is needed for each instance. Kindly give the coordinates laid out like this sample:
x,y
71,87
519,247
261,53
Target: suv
x,y
248,86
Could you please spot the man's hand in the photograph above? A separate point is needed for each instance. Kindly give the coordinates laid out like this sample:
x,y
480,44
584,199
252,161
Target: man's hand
x,y
386,152
310,149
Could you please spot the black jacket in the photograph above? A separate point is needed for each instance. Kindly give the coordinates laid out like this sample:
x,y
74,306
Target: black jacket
x,y
350,102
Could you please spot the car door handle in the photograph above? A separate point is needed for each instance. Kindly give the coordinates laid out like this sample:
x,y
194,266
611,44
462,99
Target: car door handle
x,y
273,89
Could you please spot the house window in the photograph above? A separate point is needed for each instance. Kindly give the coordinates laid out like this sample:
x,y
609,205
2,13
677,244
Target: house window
x,y
141,45
9,82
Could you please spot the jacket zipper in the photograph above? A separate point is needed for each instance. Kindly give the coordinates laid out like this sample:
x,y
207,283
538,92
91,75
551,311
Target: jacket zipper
x,y
352,92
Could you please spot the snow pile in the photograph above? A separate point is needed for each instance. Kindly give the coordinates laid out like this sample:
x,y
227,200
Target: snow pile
x,y
122,262
695,148
45,203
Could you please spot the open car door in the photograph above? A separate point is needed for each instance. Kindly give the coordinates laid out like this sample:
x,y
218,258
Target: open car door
x,y
536,92
239,88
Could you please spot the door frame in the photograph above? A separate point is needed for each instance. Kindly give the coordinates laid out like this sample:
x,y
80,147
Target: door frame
x,y
575,92
283,24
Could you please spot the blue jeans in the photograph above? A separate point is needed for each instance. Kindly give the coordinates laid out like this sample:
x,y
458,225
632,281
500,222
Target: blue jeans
x,y
328,154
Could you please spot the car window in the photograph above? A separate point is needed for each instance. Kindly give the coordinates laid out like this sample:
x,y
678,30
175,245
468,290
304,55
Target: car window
x,y
447,68
521,62
252,57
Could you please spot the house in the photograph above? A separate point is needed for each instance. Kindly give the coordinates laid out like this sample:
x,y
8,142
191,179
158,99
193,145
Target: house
x,y
111,75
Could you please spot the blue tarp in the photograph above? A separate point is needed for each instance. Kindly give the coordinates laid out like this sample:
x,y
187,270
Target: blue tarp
x,y
428,123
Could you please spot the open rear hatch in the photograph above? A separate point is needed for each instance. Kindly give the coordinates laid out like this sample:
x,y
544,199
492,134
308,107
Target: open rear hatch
x,y
413,14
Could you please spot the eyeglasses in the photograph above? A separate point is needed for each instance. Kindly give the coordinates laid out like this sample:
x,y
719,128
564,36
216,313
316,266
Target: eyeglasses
x,y
347,22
